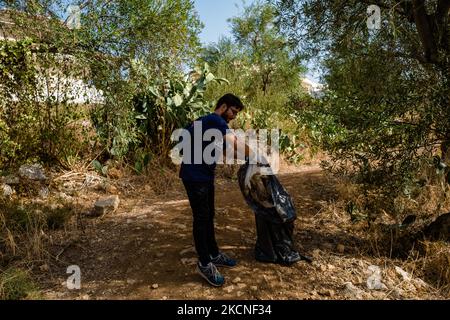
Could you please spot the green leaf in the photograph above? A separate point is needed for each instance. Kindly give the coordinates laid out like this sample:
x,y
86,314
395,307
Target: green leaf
x,y
153,91
97,165
138,167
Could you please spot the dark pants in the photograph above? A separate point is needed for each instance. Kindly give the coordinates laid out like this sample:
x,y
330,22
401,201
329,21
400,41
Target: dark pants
x,y
201,199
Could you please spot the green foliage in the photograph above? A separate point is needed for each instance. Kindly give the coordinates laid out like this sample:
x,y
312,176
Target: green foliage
x,y
102,170
169,105
16,284
263,70
386,112
163,36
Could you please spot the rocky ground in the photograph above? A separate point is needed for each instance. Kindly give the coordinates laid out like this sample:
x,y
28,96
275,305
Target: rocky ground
x,y
144,249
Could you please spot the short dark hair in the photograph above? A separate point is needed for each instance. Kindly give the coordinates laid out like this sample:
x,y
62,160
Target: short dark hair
x,y
231,101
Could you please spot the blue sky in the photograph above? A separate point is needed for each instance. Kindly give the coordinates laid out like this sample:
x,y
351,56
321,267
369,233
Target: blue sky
x,y
214,15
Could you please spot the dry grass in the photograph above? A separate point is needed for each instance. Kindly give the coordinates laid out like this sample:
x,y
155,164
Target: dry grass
x,y
428,260
16,284
435,264
25,228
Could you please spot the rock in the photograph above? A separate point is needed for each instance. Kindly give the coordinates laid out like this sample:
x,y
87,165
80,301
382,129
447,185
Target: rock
x,y
340,248
11,180
106,205
44,192
131,281
241,285
155,286
323,268
374,281
32,172
254,288
405,275
352,291
164,297
229,289
6,190
236,280
240,293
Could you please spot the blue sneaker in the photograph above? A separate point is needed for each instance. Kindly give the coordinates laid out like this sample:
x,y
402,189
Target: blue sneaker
x,y
222,260
211,274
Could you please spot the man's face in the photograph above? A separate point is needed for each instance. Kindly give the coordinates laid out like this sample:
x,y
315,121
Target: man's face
x,y
230,113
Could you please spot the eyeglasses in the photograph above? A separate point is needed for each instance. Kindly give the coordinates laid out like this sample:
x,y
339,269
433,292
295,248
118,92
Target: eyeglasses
x,y
234,110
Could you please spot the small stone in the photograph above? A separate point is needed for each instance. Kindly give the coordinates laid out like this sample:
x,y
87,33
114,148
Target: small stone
x,y
131,281
236,280
11,180
160,254
164,297
44,192
241,285
240,293
155,286
340,248
32,172
405,275
323,268
374,281
7,190
229,289
106,205
254,288
331,267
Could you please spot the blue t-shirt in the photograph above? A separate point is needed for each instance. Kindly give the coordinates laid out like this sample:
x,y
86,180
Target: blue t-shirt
x,y
202,172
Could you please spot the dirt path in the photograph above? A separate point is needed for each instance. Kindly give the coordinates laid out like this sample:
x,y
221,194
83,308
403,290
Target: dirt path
x,y
144,251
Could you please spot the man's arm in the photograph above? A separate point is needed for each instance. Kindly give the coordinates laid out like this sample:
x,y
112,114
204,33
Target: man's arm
x,y
238,146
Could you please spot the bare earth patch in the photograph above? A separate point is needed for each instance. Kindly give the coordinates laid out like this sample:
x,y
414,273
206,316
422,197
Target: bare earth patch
x,y
145,251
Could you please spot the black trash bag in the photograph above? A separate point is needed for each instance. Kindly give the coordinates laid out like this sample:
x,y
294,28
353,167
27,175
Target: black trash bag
x,y
274,215
266,196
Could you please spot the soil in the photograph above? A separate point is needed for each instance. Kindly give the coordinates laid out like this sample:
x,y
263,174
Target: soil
x,y
144,250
